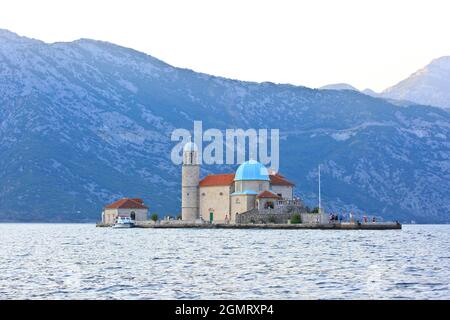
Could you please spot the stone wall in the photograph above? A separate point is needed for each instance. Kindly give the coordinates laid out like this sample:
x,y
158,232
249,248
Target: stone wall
x,y
285,191
278,216
215,199
241,203
312,218
255,216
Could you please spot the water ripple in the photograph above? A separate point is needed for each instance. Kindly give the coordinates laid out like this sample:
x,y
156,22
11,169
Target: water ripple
x,y
64,261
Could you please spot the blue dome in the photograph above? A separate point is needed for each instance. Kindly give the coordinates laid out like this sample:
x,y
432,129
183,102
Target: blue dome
x,y
251,170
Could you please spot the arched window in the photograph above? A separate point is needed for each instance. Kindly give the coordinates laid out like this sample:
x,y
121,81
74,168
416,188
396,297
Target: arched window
x,y
133,215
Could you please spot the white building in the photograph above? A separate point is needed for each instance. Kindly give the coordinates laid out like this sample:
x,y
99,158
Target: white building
x,y
132,208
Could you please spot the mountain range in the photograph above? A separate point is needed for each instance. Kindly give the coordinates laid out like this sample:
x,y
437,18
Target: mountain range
x,y
83,123
427,86
430,85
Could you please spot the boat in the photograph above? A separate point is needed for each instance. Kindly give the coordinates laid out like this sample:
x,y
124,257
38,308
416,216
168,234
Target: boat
x,y
123,222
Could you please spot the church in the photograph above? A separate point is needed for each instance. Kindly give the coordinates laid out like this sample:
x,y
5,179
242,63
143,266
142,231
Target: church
x,y
220,198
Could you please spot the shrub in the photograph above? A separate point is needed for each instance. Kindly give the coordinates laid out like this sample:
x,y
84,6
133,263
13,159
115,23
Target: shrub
x,y
272,219
154,217
296,218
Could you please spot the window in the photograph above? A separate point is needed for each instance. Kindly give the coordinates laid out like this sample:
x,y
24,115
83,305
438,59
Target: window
x,y
260,187
221,193
269,205
203,194
238,201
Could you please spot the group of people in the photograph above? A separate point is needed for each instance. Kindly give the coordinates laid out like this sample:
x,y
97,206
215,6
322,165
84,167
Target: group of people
x,y
366,219
335,218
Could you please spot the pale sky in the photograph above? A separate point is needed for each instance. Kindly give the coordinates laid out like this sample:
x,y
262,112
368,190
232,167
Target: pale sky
x,y
367,43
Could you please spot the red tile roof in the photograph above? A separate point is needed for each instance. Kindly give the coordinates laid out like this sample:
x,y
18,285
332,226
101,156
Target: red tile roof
x,y
127,203
268,194
279,180
225,179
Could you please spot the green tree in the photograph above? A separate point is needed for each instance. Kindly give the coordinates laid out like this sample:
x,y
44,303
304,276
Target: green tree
x,y
296,218
154,217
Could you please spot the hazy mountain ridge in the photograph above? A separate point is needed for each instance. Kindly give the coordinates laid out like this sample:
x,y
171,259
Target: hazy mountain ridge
x,y
338,86
429,85
85,122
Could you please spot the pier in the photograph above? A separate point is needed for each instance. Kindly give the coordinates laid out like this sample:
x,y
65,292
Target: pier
x,y
312,226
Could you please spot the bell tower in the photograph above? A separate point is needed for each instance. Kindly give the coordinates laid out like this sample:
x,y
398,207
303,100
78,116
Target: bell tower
x,y
190,177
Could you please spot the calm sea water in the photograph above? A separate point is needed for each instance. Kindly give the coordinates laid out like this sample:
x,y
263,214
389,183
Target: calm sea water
x,y
79,261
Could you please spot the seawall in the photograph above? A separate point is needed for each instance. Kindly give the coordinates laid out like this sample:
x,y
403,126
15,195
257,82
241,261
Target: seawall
x,y
328,226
